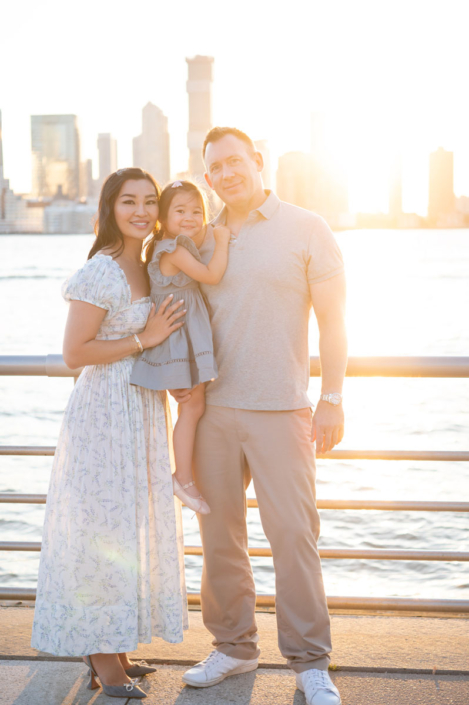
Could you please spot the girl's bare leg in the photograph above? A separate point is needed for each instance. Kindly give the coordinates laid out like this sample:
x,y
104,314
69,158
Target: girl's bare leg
x,y
184,436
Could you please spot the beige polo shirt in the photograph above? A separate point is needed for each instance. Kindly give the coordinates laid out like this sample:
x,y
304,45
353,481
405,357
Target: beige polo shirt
x,y
260,309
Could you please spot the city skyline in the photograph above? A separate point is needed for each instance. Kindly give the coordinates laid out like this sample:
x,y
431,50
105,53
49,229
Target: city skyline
x,y
316,180
388,78
323,140
313,180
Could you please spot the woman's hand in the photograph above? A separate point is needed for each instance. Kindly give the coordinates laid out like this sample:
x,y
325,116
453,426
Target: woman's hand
x,y
162,323
222,235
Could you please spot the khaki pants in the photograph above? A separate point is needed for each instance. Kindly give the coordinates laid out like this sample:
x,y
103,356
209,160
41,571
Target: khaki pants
x,y
274,448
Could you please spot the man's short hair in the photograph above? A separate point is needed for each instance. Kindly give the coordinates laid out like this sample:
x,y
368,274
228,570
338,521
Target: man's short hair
x,y
216,133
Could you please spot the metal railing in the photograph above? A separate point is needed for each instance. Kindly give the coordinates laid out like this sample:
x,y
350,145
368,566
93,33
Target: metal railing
x,y
443,366
457,367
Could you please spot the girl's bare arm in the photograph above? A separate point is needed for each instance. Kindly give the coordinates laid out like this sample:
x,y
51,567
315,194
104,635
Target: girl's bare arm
x,y
210,273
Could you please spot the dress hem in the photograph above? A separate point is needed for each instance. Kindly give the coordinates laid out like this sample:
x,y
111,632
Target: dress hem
x,y
120,648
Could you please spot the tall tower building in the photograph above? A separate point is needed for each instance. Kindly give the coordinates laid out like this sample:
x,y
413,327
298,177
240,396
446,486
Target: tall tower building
x,y
328,183
107,151
441,192
89,186
318,138
151,148
199,89
294,178
395,188
3,183
262,146
1,153
55,144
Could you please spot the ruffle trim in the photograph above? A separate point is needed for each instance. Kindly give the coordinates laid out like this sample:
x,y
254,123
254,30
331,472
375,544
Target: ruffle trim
x,y
179,279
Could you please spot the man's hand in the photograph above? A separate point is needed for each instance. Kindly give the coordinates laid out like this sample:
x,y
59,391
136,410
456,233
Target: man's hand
x,y
328,426
181,395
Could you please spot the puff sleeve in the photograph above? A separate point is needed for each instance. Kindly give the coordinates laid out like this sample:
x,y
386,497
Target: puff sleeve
x,y
100,282
169,245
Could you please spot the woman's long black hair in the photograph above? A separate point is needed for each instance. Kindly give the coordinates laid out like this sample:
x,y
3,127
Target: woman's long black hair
x,y
105,228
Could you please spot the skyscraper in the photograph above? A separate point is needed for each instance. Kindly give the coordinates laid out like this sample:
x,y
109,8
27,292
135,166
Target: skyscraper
x,y
294,178
262,146
107,150
199,89
55,144
89,186
441,193
318,137
151,148
395,188
3,183
1,153
328,183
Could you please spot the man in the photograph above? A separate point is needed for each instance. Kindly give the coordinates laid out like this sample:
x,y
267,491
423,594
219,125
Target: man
x,y
258,422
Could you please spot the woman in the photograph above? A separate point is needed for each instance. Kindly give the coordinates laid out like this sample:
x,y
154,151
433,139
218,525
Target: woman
x,y
112,570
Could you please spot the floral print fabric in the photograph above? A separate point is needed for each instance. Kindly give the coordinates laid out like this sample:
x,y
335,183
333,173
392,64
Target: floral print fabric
x,y
112,562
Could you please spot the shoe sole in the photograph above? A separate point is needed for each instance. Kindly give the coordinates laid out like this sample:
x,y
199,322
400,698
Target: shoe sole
x,y
234,672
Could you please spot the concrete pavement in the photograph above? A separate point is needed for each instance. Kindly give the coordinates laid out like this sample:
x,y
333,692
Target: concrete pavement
x,y
359,641
58,683
380,660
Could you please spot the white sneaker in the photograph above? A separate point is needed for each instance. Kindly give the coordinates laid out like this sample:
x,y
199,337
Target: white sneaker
x,y
216,668
318,687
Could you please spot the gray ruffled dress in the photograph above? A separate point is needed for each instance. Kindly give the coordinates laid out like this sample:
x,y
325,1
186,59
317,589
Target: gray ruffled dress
x,y
185,358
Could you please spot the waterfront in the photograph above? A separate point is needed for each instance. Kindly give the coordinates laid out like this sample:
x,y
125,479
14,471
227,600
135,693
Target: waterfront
x,y
408,292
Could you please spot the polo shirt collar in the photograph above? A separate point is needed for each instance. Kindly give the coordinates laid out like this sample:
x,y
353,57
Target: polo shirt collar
x,y
267,209
269,206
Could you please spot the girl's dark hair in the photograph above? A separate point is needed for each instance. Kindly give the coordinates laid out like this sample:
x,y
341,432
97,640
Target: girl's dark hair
x,y
105,228
172,190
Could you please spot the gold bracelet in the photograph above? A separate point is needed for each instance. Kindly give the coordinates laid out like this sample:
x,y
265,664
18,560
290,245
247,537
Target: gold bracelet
x,y
139,344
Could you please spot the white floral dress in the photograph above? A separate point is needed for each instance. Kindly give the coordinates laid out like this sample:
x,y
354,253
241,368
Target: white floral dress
x,y
112,563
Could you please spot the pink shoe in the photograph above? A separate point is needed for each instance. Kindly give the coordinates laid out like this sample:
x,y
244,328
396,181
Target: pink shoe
x,y
197,504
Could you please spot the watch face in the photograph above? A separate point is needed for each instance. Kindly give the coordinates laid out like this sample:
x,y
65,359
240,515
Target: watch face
x,y
335,398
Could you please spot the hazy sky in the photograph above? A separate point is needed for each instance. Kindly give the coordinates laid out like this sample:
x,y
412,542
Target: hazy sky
x,y
388,75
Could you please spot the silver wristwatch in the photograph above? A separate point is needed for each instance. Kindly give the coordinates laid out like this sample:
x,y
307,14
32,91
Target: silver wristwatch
x,y
334,398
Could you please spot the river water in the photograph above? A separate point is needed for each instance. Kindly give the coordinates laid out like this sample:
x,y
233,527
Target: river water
x,y
408,294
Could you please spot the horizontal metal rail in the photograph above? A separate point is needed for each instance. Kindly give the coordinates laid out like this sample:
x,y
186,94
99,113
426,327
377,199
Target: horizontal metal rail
x,y
401,604
449,367
444,366
378,554
400,367
369,603
436,455
380,505
36,366
27,450
11,498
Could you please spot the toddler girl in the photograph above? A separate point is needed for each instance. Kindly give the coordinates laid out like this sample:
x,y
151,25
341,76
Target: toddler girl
x,y
184,360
